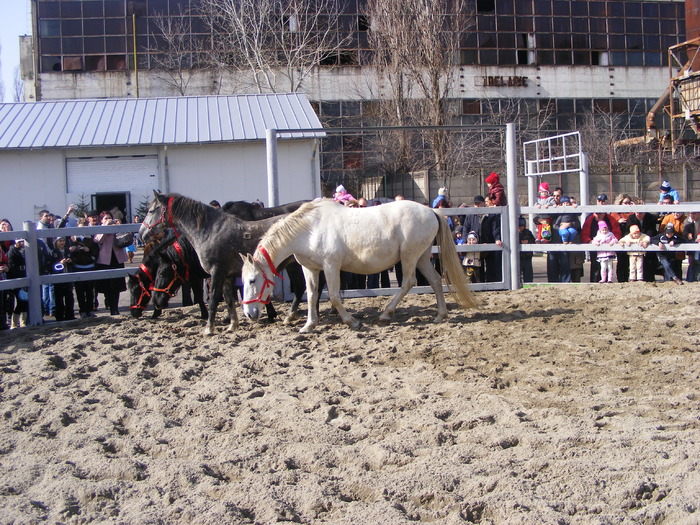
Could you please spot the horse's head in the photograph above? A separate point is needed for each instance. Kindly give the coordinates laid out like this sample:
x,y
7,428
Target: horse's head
x,y
257,285
139,288
167,283
154,223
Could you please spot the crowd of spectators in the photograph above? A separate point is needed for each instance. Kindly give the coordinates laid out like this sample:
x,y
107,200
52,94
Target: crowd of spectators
x,y
59,254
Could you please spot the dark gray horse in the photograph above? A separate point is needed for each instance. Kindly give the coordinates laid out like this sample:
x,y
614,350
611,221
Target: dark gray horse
x,y
252,212
217,237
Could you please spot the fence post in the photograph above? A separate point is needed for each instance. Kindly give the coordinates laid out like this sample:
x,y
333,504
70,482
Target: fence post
x,y
513,207
35,316
272,170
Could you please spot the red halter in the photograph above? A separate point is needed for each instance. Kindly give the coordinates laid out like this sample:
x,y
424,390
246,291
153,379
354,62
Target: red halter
x,y
166,220
145,289
177,277
266,280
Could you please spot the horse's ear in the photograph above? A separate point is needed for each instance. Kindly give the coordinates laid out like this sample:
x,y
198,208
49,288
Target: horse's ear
x,y
160,197
246,257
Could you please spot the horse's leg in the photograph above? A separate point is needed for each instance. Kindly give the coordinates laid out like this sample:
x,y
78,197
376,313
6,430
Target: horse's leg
x,y
271,312
217,285
311,277
230,298
408,282
333,284
197,284
296,285
435,281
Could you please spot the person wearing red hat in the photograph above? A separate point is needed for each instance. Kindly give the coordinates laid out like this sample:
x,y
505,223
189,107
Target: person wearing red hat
x,y
497,192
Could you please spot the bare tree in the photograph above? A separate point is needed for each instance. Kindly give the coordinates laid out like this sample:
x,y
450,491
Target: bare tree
x,y
177,54
415,50
2,82
279,42
17,86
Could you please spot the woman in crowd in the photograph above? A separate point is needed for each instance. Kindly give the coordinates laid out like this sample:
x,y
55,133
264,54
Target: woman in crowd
x,y
110,257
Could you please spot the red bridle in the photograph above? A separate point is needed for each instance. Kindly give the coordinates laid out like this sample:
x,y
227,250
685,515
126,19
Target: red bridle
x,y
177,277
145,289
266,280
167,221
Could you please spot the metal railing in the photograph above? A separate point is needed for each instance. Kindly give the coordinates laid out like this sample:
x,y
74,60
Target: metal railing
x,y
34,279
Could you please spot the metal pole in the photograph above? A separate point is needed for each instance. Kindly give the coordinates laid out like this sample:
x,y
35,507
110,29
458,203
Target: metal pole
x,y
35,314
136,59
272,173
513,207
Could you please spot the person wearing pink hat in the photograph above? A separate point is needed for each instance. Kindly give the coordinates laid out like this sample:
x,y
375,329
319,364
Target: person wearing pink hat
x,y
544,196
605,237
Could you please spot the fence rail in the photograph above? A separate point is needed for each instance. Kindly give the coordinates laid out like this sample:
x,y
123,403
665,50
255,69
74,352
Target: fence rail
x,y
509,236
34,279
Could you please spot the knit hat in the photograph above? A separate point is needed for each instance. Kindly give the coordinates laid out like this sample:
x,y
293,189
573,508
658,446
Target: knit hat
x,y
669,227
543,187
665,186
602,197
493,178
340,189
564,198
603,224
634,229
442,191
478,199
19,240
522,221
474,235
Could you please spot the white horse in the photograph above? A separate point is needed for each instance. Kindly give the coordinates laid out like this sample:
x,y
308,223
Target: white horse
x,y
326,236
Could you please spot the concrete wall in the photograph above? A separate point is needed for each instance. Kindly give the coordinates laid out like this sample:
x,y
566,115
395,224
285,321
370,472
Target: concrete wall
x,y
354,83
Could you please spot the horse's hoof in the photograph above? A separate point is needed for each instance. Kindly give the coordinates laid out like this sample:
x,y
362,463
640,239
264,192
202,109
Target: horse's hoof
x,y
208,331
355,324
440,318
307,329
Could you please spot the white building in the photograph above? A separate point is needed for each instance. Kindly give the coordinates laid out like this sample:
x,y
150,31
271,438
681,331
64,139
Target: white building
x,y
115,152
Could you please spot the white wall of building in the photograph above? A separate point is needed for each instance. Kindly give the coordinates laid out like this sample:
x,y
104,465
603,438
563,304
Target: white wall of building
x,y
239,172
34,180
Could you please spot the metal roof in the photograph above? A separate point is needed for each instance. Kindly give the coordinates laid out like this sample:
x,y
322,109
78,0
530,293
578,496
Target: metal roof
x,y
153,121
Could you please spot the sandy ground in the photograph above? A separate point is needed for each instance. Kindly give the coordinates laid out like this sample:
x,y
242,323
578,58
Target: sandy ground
x,y
554,404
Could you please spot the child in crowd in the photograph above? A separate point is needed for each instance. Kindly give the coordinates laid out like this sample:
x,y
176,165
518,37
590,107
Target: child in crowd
x,y
526,237
666,190
472,260
61,262
566,224
544,196
636,238
671,265
459,240
544,229
605,237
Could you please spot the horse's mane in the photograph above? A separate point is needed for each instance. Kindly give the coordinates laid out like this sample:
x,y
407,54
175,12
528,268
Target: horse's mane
x,y
285,229
190,208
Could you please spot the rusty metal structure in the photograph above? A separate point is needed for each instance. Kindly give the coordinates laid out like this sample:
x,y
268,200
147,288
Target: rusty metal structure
x,y
681,99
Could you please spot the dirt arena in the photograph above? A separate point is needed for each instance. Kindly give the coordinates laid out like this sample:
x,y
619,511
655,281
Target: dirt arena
x,y
553,404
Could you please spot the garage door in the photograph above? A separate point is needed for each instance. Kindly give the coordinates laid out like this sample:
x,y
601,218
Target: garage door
x,y
135,174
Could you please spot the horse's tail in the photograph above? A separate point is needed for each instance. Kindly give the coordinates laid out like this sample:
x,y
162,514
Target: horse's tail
x,y
454,275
